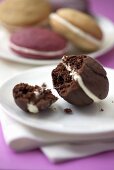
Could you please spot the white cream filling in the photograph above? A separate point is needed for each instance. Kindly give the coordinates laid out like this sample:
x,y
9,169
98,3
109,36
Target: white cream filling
x,y
36,52
75,29
37,93
78,78
32,108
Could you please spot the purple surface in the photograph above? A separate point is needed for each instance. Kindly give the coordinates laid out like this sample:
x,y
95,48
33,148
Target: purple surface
x,y
36,160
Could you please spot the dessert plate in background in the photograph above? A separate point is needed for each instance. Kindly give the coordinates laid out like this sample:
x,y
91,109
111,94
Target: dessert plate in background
x,y
106,25
93,119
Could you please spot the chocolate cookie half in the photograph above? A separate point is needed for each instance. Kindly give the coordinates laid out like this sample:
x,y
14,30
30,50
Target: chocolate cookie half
x,y
80,80
33,99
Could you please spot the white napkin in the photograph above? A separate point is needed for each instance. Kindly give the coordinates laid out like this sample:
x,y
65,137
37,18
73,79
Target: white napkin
x,y
56,147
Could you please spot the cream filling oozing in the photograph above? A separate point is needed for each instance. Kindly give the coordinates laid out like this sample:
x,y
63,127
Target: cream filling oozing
x,y
37,92
36,52
32,108
75,29
77,77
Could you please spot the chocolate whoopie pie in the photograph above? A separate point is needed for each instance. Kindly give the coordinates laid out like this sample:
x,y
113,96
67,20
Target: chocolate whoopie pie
x,y
33,99
80,80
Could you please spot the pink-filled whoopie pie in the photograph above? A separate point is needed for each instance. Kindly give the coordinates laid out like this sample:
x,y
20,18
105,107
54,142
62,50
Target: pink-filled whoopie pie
x,y
38,43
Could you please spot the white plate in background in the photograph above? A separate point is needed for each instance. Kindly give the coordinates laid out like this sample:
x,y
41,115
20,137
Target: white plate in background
x,y
107,28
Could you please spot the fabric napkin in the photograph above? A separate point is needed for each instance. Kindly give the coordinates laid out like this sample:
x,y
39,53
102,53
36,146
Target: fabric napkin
x,y
56,147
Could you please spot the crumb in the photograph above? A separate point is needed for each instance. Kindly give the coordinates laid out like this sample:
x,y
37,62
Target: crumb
x,y
44,85
112,101
68,111
102,110
53,109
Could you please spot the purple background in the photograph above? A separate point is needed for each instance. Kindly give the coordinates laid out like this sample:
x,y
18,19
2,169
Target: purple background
x,y
35,160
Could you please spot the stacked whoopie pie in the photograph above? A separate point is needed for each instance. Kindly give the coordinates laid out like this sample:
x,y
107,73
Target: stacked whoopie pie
x,y
26,19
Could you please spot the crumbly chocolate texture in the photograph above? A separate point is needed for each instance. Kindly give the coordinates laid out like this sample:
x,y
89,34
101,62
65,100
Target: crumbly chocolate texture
x,y
39,97
92,73
102,110
68,111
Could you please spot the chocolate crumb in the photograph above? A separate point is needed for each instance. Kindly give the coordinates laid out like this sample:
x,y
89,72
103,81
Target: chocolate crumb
x,y
102,110
53,109
68,111
44,85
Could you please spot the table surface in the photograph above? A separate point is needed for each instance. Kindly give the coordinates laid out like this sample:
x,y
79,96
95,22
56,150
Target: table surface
x,y
35,160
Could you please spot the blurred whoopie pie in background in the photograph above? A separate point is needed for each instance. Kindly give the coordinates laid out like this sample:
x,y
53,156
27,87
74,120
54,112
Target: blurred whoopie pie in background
x,y
81,29
22,13
38,43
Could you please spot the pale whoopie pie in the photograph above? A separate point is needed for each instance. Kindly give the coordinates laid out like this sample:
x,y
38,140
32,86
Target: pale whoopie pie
x,y
77,27
38,43
22,13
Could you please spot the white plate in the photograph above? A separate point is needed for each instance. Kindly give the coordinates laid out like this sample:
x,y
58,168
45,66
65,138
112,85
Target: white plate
x,y
83,120
106,25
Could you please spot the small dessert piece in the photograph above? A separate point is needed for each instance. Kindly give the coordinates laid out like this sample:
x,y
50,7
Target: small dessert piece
x,y
15,14
33,99
78,27
80,80
38,43
68,111
102,110
81,5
